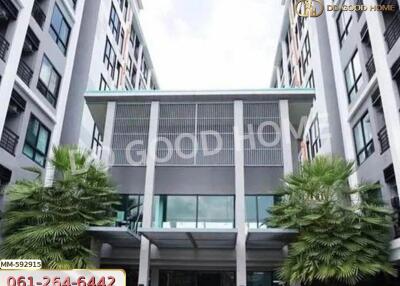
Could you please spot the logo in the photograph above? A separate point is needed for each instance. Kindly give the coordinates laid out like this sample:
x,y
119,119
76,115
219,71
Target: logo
x,y
309,8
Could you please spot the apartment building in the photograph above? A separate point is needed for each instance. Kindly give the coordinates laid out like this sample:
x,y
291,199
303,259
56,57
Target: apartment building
x,y
111,55
190,215
363,73
38,42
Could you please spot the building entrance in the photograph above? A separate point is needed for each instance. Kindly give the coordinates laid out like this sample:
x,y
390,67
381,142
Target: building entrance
x,y
197,278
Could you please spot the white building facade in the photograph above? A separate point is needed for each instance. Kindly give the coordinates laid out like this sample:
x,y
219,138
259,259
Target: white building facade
x,y
188,214
355,56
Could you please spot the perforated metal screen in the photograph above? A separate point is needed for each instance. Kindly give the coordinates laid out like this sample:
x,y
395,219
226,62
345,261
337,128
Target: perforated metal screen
x,y
197,131
262,124
198,134
131,130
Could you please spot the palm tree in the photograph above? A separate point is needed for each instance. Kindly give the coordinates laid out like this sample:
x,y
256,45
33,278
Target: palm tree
x,y
339,242
50,223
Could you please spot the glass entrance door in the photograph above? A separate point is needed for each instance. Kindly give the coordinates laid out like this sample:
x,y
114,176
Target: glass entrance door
x,y
197,278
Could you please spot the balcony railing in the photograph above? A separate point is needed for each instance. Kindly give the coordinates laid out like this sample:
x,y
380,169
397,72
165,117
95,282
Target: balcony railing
x,y
38,14
4,45
370,66
392,32
24,72
9,140
383,139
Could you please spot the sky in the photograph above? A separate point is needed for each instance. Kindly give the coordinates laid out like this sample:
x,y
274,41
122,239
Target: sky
x,y
212,44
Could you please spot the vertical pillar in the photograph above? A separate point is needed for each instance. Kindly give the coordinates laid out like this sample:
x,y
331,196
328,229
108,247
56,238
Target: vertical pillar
x,y
286,137
64,89
20,26
240,211
387,87
108,132
144,263
95,247
285,64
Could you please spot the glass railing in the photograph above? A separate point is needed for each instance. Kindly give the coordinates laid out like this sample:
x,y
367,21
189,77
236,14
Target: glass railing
x,y
129,212
206,212
257,209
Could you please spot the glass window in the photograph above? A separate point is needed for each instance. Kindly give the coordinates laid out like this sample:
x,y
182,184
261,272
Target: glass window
x,y
36,141
257,207
130,211
306,53
103,84
364,143
180,212
60,29
315,138
215,212
311,82
353,76
193,211
49,81
109,58
97,140
343,23
259,279
114,23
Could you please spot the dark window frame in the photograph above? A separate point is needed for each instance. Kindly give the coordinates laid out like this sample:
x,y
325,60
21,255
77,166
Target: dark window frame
x,y
34,148
55,32
110,57
343,34
366,145
97,139
103,84
315,137
356,79
306,53
43,87
115,23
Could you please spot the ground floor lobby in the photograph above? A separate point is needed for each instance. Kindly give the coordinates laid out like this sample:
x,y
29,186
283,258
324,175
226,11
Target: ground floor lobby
x,y
165,277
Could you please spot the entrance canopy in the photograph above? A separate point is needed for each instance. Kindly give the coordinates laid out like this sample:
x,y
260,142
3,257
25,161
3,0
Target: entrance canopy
x,y
191,238
120,236
270,238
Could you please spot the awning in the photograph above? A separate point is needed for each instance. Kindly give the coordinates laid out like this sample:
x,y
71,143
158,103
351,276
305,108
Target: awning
x,y
118,236
191,238
270,238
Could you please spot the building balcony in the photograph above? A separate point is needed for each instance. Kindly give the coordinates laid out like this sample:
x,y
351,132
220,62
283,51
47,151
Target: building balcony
x,y
25,72
8,11
31,43
392,32
38,14
9,140
4,45
383,139
370,66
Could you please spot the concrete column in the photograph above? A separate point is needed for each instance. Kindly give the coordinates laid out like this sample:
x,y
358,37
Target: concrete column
x,y
285,64
64,90
20,26
341,92
155,276
95,247
240,210
286,137
108,133
387,87
145,246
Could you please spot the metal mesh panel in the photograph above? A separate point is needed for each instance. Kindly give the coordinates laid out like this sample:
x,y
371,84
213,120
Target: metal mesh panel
x,y
191,129
262,144
131,125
